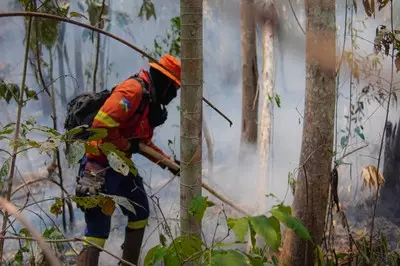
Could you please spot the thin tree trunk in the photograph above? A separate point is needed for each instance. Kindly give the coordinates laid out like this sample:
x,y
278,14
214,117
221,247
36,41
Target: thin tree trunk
x,y
249,74
100,25
78,61
266,93
191,111
57,157
311,195
61,71
10,177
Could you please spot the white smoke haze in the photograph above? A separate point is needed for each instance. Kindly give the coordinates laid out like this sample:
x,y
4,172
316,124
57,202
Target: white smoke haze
x,y
222,86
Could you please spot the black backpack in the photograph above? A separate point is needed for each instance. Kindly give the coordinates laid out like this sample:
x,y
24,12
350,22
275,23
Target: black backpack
x,y
82,109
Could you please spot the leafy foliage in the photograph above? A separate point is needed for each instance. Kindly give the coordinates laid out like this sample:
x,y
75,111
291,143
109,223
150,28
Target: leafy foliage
x,y
11,91
147,9
171,43
198,206
188,248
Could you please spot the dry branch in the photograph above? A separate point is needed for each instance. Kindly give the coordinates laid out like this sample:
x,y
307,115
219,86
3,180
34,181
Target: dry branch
x,y
148,150
67,20
9,208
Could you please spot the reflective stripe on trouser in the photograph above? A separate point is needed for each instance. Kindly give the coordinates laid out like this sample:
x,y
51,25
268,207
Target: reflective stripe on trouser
x,y
98,224
137,224
95,240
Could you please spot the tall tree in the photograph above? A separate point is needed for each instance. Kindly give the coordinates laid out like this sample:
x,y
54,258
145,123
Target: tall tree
x,y
249,73
311,194
191,111
268,22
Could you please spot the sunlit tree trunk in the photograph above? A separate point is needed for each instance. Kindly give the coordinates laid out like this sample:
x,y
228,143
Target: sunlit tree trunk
x,y
311,195
191,111
266,93
249,73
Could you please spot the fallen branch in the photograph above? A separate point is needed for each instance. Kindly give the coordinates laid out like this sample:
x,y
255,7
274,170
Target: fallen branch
x,y
150,151
9,208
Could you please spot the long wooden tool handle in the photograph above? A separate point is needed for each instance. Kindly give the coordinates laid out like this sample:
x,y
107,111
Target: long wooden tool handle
x,y
169,163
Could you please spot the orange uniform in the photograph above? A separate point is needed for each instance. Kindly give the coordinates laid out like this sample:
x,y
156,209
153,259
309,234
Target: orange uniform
x,y
116,116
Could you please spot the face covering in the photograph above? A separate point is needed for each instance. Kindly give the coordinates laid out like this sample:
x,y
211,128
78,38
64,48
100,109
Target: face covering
x,y
165,91
165,88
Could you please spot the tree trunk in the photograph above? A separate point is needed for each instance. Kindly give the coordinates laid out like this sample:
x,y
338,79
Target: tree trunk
x,y
311,195
61,70
249,73
78,61
191,111
266,93
389,195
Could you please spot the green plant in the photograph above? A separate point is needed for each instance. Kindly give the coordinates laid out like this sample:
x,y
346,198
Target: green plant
x,y
189,248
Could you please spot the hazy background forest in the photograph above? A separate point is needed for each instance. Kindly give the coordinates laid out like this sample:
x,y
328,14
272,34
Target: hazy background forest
x,y
222,86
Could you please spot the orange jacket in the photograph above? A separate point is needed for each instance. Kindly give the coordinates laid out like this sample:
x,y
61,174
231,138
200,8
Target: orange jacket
x,y
117,116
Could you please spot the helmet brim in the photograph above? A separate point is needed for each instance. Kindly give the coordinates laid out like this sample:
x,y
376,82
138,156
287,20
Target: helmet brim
x,y
168,74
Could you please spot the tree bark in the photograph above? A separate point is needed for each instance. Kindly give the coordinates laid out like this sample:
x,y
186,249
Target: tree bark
x,y
311,195
191,111
266,93
78,61
61,70
249,73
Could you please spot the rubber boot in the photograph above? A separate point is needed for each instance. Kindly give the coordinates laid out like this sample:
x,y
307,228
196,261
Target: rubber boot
x,y
89,256
132,245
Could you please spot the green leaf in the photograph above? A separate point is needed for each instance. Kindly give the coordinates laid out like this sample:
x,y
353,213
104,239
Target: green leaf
x,y
108,148
163,240
227,258
186,247
343,141
263,227
359,133
31,94
51,233
56,207
74,14
99,133
24,232
124,202
50,145
319,255
76,152
255,260
367,7
240,227
285,209
117,163
277,100
5,168
73,132
291,222
339,161
91,149
197,207
154,255
87,202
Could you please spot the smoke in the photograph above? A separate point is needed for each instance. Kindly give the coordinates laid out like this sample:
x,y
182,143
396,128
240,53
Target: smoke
x,y
222,86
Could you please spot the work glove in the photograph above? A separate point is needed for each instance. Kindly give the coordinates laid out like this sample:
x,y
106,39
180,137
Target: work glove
x,y
176,172
91,182
134,147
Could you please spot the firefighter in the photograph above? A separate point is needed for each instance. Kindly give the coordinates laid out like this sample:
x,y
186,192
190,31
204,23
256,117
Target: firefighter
x,y
129,119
